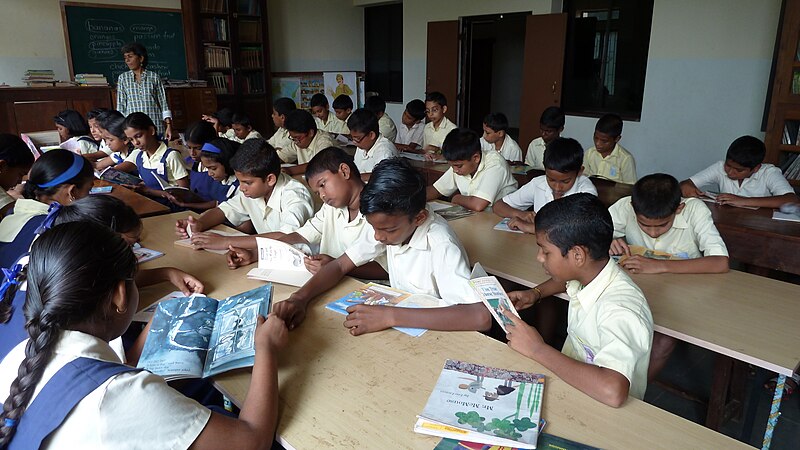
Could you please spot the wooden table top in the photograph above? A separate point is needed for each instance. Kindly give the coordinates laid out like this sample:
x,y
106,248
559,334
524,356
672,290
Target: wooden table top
x,y
337,390
144,207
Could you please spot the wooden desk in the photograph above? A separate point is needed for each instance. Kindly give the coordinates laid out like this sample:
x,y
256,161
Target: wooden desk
x,y
341,391
144,207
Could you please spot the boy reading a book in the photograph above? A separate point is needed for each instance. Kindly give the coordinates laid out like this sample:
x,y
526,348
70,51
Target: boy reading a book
x,y
609,323
423,256
342,108
280,108
551,124
410,131
322,115
268,200
495,138
475,179
305,141
742,179
243,128
386,125
438,125
372,146
563,176
607,159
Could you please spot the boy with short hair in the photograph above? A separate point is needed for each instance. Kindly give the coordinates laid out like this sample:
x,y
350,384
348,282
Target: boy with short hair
x,y
322,115
411,130
495,138
563,176
372,146
477,178
423,256
742,179
342,108
243,128
551,124
607,159
377,105
305,140
610,326
438,126
280,108
268,200
223,123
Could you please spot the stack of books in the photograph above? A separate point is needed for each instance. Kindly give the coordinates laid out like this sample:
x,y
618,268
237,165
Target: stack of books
x,y
91,79
39,77
217,57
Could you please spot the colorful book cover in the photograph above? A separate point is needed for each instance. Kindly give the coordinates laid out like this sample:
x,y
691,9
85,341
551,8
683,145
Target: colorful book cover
x,y
545,442
503,226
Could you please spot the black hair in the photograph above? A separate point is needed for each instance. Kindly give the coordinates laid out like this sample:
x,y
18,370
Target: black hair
x,y
656,196
112,115
229,149
224,116
51,165
14,151
496,121
343,102
436,97
416,109
137,49
748,151
284,106
73,121
200,132
319,100
95,113
72,274
376,104
104,210
300,121
395,188
241,119
553,117
256,158
139,121
363,120
610,124
461,144
330,159
578,219
563,155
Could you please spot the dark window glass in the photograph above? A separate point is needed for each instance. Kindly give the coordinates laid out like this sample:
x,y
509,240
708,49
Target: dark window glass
x,y
383,44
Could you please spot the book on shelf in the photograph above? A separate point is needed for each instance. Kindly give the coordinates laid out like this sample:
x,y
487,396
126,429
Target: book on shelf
x,y
217,56
280,262
214,29
199,337
221,82
476,403
91,79
493,296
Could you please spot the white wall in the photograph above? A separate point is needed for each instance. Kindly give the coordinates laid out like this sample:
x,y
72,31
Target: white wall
x,y
32,36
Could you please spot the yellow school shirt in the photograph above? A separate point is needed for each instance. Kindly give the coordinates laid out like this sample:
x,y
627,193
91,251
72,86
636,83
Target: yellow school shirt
x,y
435,136
173,166
280,139
253,134
24,209
387,128
492,180
535,155
333,125
321,141
288,207
618,166
609,325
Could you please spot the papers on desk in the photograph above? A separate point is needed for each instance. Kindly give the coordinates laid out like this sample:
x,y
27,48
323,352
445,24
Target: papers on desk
x,y
503,226
280,262
145,254
188,242
421,157
777,215
449,211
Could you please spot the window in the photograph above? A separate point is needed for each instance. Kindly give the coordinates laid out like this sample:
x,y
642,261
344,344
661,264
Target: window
x,y
606,57
383,44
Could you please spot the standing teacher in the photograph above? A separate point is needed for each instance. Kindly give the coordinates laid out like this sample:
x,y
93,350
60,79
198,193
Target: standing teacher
x,y
140,90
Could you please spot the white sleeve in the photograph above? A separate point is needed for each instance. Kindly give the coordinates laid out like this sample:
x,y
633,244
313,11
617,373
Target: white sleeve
x,y
522,198
709,177
777,183
451,274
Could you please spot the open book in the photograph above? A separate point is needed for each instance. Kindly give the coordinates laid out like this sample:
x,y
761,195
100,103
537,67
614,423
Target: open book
x,y
475,403
181,193
280,262
118,177
449,211
199,337
188,242
144,254
492,294
638,250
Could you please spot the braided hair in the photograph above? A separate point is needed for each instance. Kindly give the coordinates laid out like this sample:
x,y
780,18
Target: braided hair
x,y
72,274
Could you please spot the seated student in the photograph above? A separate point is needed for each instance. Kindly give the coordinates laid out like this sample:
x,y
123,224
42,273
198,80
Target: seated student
x,y
411,130
217,183
152,158
59,176
322,115
476,179
280,109
305,141
563,176
243,128
423,256
78,306
607,159
495,126
609,323
112,127
372,146
222,120
551,124
196,135
73,131
386,125
337,226
268,200
342,108
438,125
15,162
743,179
96,131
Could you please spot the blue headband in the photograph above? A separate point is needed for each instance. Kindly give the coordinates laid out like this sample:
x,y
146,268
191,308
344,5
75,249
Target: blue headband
x,y
74,169
210,148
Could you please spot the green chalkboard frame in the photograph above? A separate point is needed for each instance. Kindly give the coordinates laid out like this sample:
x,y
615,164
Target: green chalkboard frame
x,y
182,71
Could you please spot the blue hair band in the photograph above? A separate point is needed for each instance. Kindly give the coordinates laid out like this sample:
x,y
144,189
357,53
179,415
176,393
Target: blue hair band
x,y
210,148
10,278
74,169
52,213
10,423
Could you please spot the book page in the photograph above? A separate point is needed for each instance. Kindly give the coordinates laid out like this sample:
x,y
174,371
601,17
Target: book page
x,y
145,314
274,254
492,294
378,294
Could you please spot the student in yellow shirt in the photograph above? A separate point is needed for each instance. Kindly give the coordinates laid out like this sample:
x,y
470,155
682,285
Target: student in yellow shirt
x,y
386,125
243,128
551,125
607,159
610,327
280,108
306,141
438,125
322,115
342,108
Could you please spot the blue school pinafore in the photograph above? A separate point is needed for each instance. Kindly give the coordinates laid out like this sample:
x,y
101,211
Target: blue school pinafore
x,y
203,185
12,332
148,175
10,252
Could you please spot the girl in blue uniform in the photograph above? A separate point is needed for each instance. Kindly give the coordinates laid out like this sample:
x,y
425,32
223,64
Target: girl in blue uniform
x,y
112,128
217,183
197,134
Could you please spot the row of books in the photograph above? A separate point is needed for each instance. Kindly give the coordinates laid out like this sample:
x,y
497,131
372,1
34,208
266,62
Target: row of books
x,y
222,83
252,83
214,29
251,57
91,79
218,57
791,167
39,77
184,83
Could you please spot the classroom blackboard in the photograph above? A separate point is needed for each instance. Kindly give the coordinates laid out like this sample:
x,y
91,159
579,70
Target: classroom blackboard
x,y
95,35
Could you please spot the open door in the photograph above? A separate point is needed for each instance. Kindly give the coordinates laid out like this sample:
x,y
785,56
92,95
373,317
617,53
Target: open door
x,y
442,63
543,70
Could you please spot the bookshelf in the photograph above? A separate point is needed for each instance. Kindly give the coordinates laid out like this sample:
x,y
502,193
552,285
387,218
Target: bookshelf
x,y
229,47
783,123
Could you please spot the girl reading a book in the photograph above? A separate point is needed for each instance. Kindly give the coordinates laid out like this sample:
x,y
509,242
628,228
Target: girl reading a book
x,y
57,178
73,131
218,183
81,298
15,162
112,128
197,134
